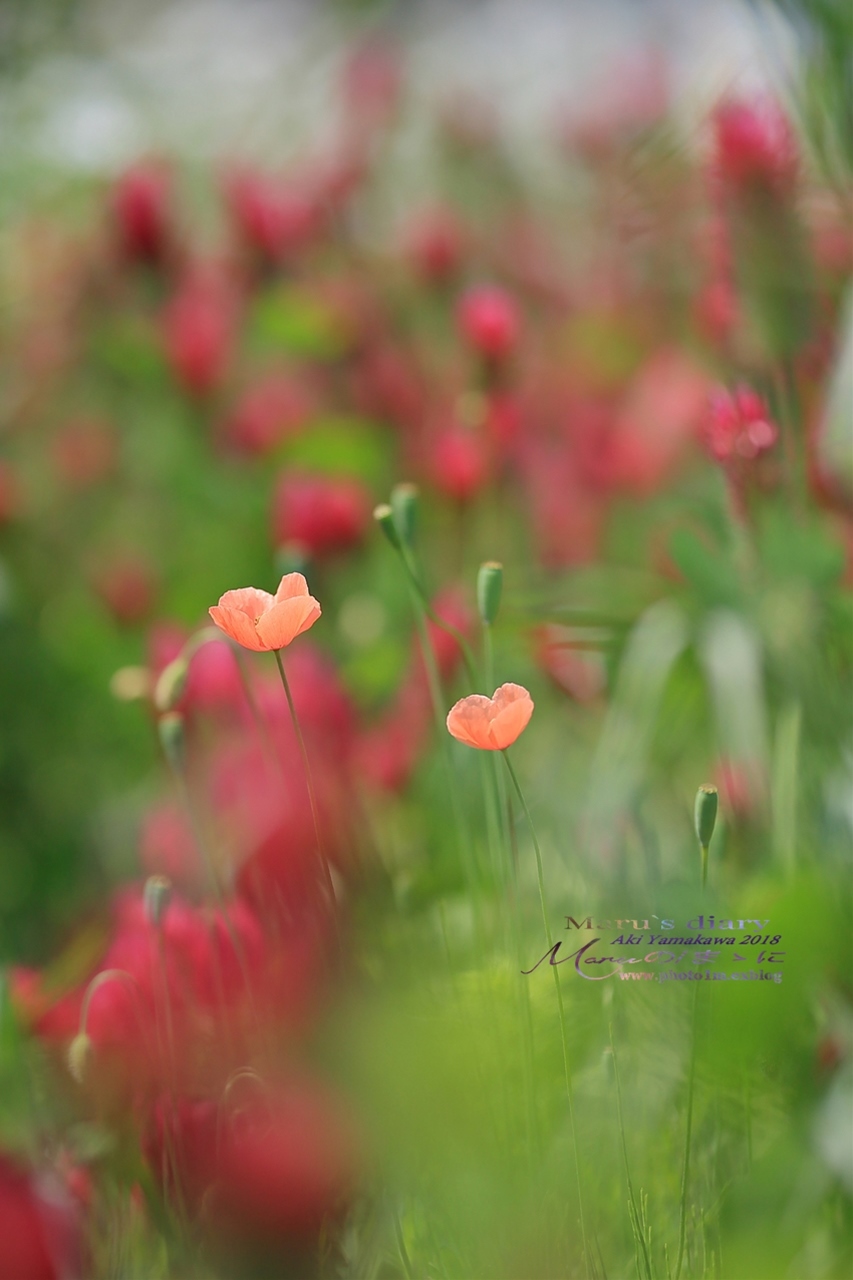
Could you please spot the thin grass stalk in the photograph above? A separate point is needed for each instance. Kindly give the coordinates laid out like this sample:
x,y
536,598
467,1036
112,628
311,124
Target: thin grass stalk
x,y
685,1170
636,1219
437,703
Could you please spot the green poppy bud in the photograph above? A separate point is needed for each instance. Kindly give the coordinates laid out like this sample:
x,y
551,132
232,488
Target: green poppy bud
x,y
490,581
404,504
384,517
156,897
705,813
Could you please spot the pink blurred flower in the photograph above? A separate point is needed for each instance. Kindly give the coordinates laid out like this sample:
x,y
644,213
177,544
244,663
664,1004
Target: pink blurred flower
x,y
127,585
199,332
459,463
489,319
269,410
273,218
38,1231
754,145
387,384
322,514
272,1171
579,672
141,201
741,787
168,847
656,422
737,426
435,243
371,84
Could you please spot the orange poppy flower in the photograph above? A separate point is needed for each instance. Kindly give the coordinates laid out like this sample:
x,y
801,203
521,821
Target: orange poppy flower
x,y
492,724
259,621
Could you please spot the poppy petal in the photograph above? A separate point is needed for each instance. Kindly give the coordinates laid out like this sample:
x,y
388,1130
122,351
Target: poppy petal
x,y
249,600
468,721
238,625
287,620
291,586
511,721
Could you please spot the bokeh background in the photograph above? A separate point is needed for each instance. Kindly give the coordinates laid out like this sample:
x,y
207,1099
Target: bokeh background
x,y
581,273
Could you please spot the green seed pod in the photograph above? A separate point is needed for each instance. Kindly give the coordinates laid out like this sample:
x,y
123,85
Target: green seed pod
x,y
490,581
156,897
171,730
171,684
384,517
80,1053
404,504
705,813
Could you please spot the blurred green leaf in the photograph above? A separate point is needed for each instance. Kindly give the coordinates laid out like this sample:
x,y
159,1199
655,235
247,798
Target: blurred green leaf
x,y
342,445
294,322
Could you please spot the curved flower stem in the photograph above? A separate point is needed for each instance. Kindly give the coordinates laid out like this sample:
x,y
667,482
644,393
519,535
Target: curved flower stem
x,y
488,656
563,1034
465,648
113,975
312,796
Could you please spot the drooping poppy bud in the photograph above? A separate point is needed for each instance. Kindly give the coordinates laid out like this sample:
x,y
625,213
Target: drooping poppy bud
x,y
170,727
171,684
80,1053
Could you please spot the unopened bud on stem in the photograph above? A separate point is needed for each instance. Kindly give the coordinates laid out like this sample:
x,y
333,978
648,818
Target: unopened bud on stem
x,y
156,897
404,505
384,517
490,581
704,818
